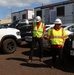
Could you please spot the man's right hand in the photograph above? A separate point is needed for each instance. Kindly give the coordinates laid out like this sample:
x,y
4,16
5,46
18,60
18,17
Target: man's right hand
x,y
46,37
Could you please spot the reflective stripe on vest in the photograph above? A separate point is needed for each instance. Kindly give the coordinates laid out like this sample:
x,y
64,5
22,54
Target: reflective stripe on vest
x,y
58,36
38,31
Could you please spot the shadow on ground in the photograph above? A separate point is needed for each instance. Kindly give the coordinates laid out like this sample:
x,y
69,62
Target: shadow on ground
x,y
25,45
35,65
68,66
2,52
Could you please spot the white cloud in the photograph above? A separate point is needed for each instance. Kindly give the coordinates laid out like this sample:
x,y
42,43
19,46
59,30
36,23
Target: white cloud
x,y
10,4
23,3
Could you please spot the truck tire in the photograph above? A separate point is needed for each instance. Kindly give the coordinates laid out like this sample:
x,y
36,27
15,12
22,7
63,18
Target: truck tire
x,y
9,46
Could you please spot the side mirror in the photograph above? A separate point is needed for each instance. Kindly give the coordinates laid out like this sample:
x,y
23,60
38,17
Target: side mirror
x,y
27,22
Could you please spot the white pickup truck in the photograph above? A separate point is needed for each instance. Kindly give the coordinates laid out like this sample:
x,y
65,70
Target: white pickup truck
x,y
9,39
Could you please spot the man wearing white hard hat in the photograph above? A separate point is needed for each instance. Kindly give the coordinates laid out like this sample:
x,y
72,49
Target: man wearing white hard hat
x,y
57,36
38,29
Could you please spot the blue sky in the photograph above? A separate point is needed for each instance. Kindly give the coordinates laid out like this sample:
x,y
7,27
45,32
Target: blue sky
x,y
8,6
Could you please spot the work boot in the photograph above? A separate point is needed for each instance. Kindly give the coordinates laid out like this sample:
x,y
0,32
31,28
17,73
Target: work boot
x,y
40,59
29,61
52,67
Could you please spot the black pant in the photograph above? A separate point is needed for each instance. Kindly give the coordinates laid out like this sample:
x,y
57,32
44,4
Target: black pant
x,y
40,43
55,52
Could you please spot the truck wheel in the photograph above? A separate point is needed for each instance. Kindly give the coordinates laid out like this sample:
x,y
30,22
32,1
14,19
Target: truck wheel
x,y
9,46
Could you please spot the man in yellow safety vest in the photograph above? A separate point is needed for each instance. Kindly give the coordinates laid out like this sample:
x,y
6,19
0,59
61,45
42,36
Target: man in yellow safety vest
x,y
57,36
38,29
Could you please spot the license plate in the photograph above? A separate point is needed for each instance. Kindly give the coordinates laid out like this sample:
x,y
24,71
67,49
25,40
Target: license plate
x,y
72,52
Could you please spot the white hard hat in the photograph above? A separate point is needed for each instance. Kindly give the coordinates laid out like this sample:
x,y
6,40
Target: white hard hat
x,y
58,21
38,19
27,22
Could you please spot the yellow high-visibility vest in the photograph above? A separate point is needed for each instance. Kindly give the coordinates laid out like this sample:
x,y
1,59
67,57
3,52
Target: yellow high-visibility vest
x,y
38,32
57,37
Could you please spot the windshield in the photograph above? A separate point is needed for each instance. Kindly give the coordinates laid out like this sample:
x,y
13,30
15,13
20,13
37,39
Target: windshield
x,y
47,26
2,26
13,24
63,26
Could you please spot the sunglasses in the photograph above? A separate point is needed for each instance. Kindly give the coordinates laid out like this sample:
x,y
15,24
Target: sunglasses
x,y
57,24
